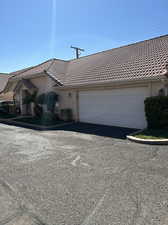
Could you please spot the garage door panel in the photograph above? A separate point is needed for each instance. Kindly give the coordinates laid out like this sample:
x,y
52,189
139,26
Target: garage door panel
x,y
117,107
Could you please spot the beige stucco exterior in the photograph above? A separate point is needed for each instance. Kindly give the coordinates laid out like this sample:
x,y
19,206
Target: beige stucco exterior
x,y
69,97
44,83
6,97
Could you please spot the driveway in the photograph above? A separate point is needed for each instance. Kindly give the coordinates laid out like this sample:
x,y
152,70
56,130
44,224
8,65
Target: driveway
x,y
72,177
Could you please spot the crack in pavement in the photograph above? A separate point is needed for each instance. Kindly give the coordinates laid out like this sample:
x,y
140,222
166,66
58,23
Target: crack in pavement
x,y
22,206
94,211
11,218
135,197
89,218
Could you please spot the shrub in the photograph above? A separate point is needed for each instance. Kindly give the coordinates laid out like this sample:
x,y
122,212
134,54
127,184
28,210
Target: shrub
x,y
52,98
48,117
156,110
38,110
30,98
48,99
41,99
7,107
66,114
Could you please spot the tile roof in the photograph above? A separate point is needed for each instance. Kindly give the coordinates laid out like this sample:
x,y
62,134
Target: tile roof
x,y
3,80
20,71
27,83
137,61
32,70
146,59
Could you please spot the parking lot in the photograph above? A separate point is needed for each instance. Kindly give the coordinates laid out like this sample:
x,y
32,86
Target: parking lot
x,y
81,174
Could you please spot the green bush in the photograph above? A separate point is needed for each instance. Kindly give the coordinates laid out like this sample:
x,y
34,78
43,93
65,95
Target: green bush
x,y
48,99
41,99
38,110
52,98
156,110
66,114
5,107
30,98
48,117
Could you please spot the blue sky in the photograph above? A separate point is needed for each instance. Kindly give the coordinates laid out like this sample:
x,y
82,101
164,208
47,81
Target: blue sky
x,y
32,31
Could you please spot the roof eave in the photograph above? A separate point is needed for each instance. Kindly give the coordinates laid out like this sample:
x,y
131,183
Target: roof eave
x,y
58,82
29,76
116,82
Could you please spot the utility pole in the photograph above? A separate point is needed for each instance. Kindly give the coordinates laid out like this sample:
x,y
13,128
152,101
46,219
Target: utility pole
x,y
78,51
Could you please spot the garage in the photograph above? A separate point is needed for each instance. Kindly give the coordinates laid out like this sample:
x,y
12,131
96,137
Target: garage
x,y
115,107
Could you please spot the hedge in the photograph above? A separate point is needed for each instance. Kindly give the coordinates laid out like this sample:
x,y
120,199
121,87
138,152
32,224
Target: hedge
x,y
156,110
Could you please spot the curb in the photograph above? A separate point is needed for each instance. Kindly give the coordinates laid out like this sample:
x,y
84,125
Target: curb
x,y
146,141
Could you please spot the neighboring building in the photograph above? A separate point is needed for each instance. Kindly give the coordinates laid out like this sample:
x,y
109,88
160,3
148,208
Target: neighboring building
x,y
104,88
3,81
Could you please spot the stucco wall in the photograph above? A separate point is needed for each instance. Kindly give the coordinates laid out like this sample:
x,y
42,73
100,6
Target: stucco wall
x,y
43,83
7,96
68,99
155,87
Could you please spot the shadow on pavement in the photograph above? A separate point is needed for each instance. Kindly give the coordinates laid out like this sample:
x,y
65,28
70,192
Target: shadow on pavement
x,y
100,130
85,128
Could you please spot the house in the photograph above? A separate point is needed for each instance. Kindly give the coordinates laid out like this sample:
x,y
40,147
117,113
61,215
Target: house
x,y
104,88
3,81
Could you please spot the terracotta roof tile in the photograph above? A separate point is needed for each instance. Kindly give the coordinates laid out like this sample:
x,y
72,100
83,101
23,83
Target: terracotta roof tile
x,y
141,60
3,80
32,70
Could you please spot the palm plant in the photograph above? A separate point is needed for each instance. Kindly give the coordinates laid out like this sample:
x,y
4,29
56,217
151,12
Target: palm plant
x,y
30,98
48,99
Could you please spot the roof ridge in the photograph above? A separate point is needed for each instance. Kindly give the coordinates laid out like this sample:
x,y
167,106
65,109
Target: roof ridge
x,y
29,68
61,60
21,71
50,65
4,73
51,75
138,42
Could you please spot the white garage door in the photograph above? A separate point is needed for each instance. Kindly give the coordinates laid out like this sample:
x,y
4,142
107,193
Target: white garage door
x,y
117,107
